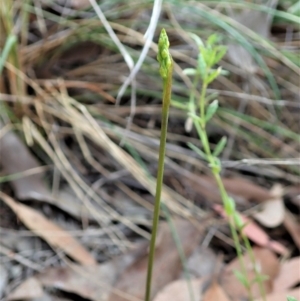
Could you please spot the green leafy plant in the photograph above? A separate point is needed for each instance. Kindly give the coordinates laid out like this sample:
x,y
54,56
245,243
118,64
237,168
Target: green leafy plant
x,y
166,68
201,112
290,298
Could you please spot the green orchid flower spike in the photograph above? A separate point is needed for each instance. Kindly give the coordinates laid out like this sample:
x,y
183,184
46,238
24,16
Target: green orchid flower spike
x,y
166,67
164,57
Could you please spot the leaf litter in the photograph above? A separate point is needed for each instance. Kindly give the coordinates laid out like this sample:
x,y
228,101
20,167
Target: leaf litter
x,y
267,264
30,183
167,265
29,289
16,158
46,229
272,211
215,292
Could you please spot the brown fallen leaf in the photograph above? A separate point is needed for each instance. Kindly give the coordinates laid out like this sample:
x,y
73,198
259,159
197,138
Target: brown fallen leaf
x,y
91,282
282,295
216,293
238,188
167,264
202,262
272,212
293,227
289,275
44,228
247,189
267,264
16,158
293,193
256,233
30,288
179,290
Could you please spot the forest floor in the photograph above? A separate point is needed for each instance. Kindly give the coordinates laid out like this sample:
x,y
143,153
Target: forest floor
x,y
79,140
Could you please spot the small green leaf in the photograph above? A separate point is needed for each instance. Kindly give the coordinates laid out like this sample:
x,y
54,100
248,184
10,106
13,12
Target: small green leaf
x,y
212,56
206,53
229,206
202,66
190,71
220,146
195,117
224,72
213,75
196,39
221,51
197,150
211,110
9,44
242,278
215,166
260,278
212,39
290,298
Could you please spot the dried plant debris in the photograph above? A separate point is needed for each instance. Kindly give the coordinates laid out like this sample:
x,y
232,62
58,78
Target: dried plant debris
x,y
179,290
17,160
29,289
272,212
167,265
268,265
60,149
53,234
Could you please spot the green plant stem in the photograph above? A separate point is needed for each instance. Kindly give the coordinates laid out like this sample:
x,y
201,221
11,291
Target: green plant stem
x,y
216,173
167,87
202,103
224,196
252,258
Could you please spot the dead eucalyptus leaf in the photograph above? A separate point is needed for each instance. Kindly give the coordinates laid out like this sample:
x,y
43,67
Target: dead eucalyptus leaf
x,y
30,288
266,262
90,282
293,227
15,159
167,264
289,275
179,290
273,210
254,232
216,293
53,234
202,262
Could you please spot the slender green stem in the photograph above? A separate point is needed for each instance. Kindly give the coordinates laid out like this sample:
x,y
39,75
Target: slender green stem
x,y
166,68
202,102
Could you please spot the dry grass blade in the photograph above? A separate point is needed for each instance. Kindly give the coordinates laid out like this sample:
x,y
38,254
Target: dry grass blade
x,y
85,123
43,227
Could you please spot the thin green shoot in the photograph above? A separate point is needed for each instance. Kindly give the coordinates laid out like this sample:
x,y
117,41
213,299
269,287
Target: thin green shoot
x,y
166,69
